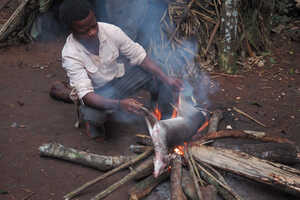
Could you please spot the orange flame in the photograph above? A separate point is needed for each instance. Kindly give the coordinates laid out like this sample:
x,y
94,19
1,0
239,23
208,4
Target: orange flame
x,y
203,126
179,150
157,113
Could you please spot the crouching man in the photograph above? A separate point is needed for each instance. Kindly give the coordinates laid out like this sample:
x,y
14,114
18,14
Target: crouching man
x,y
93,60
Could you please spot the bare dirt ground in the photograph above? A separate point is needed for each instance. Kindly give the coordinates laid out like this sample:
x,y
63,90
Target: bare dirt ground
x,y
30,118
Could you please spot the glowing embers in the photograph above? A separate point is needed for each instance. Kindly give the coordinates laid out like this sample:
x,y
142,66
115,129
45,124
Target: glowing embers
x,y
179,150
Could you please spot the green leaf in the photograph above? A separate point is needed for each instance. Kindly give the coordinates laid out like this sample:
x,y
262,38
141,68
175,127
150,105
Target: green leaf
x,y
266,53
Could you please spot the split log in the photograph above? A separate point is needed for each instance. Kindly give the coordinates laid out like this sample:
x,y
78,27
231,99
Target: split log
x,y
99,162
176,174
132,175
144,187
144,139
123,166
277,175
275,152
242,134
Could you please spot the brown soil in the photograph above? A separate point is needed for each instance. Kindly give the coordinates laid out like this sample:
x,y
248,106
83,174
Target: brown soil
x,y
30,118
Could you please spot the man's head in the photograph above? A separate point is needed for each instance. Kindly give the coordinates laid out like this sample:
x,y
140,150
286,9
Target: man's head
x,y
79,17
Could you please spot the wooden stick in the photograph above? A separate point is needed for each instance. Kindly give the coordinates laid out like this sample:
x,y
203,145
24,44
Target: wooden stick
x,y
143,166
144,187
212,37
123,166
214,121
193,175
277,175
227,75
144,139
226,192
100,162
176,174
12,18
248,116
241,134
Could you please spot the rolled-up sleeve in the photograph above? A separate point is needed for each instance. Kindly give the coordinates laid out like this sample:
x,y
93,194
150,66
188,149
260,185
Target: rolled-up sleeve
x,y
132,50
77,75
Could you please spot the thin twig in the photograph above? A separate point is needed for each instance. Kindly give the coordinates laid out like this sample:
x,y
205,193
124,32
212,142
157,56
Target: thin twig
x,y
187,157
246,115
123,166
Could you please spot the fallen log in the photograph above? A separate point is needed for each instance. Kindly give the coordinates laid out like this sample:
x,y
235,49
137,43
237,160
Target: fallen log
x,y
242,134
123,166
275,152
100,162
132,175
277,175
144,187
176,175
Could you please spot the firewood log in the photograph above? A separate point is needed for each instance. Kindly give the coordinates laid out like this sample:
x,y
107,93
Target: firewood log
x,y
277,175
144,139
275,152
176,174
262,136
188,185
99,162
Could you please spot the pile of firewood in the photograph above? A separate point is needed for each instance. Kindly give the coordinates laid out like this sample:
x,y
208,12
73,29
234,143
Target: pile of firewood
x,y
191,169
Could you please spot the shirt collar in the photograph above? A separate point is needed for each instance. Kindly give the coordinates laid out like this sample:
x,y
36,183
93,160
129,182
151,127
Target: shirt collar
x,y
101,36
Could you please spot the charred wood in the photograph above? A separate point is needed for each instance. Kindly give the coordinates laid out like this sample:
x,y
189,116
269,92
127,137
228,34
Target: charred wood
x,y
144,187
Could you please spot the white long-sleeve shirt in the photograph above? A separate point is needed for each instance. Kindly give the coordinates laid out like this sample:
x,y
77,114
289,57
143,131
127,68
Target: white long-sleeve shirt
x,y
87,71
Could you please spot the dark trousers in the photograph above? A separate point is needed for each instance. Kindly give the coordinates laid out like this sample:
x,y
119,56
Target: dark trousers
x,y
134,80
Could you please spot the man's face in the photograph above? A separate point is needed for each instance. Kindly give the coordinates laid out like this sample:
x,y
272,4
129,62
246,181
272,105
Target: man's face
x,y
86,29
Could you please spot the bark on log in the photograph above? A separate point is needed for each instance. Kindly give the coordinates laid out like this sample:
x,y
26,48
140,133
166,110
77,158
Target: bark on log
x,y
132,175
242,134
176,175
275,152
144,187
144,139
214,121
99,162
277,175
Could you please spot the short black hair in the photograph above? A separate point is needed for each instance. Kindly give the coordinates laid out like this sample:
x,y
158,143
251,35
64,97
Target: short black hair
x,y
73,10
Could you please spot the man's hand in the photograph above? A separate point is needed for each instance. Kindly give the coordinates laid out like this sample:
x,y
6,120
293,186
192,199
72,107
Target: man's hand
x,y
175,83
132,106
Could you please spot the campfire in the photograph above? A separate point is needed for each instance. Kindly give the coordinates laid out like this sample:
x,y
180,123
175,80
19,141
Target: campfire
x,y
193,167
